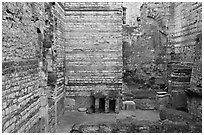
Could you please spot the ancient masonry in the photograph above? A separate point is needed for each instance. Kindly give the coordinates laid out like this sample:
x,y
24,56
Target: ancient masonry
x,y
93,51
181,25
187,41
32,67
35,37
145,43
70,55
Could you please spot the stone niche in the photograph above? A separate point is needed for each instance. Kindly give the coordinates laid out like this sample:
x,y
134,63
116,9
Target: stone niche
x,y
107,102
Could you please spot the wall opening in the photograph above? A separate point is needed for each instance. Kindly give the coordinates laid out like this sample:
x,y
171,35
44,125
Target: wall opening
x,y
92,107
112,106
101,104
124,15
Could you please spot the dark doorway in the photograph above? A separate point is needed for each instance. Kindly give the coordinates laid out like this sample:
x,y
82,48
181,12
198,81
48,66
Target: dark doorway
x,y
111,105
101,104
92,107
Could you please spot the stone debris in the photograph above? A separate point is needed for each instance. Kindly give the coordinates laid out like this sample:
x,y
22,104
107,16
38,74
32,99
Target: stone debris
x,y
165,126
83,55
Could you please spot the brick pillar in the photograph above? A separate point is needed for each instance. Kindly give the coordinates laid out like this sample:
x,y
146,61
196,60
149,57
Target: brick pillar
x,y
106,105
117,105
96,104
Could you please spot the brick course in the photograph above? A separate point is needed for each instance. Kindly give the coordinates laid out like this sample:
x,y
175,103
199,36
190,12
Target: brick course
x,y
93,47
186,41
20,78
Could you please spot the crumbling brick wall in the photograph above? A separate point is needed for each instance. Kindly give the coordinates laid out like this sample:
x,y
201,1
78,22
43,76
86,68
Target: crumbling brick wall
x,y
145,45
20,78
93,48
25,64
54,54
186,40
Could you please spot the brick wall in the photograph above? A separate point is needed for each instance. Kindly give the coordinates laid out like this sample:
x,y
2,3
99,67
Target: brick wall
x,y
187,24
185,38
93,47
54,56
27,93
144,48
59,60
20,78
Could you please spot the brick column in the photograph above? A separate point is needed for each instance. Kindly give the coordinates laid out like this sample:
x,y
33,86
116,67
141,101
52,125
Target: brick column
x,y
96,104
106,105
117,105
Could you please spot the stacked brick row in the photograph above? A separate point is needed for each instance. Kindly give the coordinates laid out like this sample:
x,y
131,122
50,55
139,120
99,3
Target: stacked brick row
x,y
186,41
89,89
20,79
20,100
91,6
196,78
187,25
93,47
59,47
186,36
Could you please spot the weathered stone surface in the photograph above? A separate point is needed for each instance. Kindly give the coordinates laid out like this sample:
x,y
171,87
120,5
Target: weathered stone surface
x,y
24,74
144,46
20,98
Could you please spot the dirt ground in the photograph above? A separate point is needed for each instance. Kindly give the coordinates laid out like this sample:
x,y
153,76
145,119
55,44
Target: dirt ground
x,y
74,117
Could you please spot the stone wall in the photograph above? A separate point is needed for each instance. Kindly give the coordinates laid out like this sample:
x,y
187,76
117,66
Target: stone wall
x,y
145,46
186,41
93,47
186,25
185,35
54,54
32,48
20,78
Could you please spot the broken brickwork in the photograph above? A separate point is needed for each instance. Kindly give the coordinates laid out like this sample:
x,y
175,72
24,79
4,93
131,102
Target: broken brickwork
x,y
33,46
144,46
55,56
186,40
20,78
42,41
93,48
